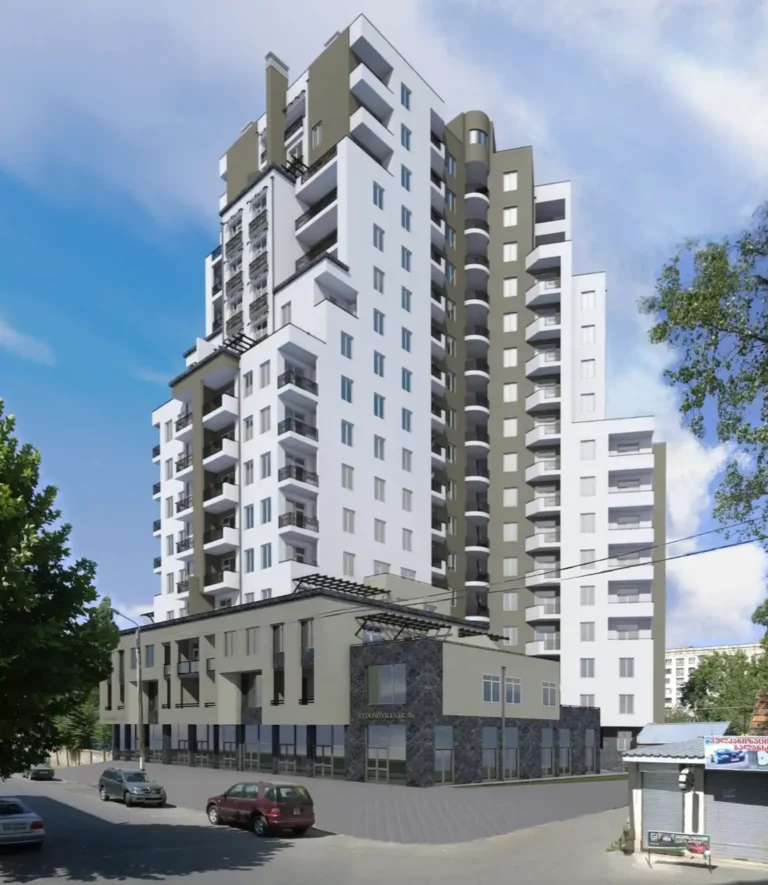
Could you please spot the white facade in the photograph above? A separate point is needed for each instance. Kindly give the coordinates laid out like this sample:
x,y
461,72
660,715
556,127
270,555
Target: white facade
x,y
681,662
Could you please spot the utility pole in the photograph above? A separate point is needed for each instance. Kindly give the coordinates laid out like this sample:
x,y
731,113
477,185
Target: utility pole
x,y
503,720
139,687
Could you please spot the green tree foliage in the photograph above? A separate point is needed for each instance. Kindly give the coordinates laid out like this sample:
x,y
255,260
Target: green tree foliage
x,y
55,641
678,714
711,307
723,689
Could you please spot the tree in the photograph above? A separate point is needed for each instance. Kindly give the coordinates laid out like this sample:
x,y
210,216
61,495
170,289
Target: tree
x,y
55,642
678,714
723,688
717,323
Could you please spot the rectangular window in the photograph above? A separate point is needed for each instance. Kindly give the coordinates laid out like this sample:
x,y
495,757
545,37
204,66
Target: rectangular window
x,y
587,594
248,428
285,314
264,375
509,287
450,164
492,689
587,369
510,427
405,96
509,252
627,704
169,507
509,532
406,419
509,462
348,521
249,516
510,322
510,216
346,389
379,531
266,465
229,644
587,486
509,567
510,392
316,135
510,357
510,497
248,384
251,640
405,258
407,376
379,489
587,334
588,560
587,631
266,510
249,473
149,655
405,137
250,561
386,684
378,279
407,500
266,556
587,403
588,523
549,694
168,431
378,363
588,300
347,477
405,177
265,420
169,578
510,601
586,700
407,460
510,635
348,565
380,568
378,322
378,405
379,446
346,345
626,668
405,217
513,690
587,668
378,195
510,181
450,200
405,299
169,468
405,339
378,241
450,272
347,433
588,450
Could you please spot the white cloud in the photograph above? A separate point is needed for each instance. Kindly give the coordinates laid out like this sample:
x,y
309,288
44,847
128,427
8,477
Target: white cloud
x,y
26,347
130,610
153,377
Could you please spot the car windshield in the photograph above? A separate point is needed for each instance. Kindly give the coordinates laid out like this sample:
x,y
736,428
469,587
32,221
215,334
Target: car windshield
x,y
135,777
292,794
7,808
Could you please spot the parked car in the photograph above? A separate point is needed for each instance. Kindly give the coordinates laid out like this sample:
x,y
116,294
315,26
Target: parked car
x,y
131,786
727,756
19,825
42,772
264,808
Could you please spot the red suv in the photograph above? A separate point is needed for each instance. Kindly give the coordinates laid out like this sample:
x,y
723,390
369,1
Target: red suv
x,y
264,808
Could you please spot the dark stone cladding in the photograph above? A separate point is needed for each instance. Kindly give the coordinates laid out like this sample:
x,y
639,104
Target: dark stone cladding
x,y
424,702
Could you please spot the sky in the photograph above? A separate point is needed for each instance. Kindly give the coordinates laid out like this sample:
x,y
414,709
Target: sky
x,y
110,135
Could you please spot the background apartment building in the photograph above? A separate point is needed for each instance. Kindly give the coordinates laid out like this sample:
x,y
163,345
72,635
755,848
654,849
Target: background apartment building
x,y
681,662
401,373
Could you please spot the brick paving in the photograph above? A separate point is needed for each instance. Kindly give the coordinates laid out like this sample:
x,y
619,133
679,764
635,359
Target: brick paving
x,y
406,815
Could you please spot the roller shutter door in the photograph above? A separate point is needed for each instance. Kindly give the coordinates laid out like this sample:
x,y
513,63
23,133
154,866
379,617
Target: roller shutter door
x,y
662,802
736,814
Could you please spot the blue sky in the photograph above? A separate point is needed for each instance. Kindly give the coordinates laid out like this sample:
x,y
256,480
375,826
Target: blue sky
x,y
656,109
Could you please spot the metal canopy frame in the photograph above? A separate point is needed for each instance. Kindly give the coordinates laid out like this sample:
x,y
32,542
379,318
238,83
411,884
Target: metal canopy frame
x,y
392,622
239,344
335,585
296,167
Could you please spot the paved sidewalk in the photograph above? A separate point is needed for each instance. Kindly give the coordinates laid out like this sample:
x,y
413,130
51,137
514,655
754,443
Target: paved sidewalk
x,y
404,815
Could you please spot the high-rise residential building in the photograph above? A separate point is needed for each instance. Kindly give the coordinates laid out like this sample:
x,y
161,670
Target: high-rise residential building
x,y
681,662
400,373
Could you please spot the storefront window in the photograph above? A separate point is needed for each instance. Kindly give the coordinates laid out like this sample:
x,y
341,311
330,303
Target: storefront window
x,y
490,753
564,751
386,753
511,758
590,756
547,752
444,754
386,684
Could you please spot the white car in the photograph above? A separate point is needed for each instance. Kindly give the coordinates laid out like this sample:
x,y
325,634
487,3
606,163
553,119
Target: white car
x,y
19,825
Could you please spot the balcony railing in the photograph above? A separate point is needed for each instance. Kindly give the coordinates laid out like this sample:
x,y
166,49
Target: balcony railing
x,y
294,127
478,507
548,392
549,428
235,324
483,331
476,189
155,451
319,163
234,244
259,264
299,520
294,425
157,562
326,201
258,306
484,577
296,380
437,256
185,544
213,578
156,525
182,586
437,218
477,469
547,537
184,421
324,246
300,474
438,525
476,366
301,558
156,488
235,284
437,180
438,562
183,463
214,489
476,224
217,285
218,444
216,534
188,668
478,541
184,504
477,399
216,254
438,408
548,500
476,295
475,258
437,371
214,402
436,141
438,486
478,434
547,463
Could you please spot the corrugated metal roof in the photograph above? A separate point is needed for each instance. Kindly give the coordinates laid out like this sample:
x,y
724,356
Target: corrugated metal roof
x,y
675,732
690,749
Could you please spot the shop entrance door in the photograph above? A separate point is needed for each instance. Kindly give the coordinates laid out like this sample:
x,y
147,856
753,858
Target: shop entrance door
x,y
378,764
323,761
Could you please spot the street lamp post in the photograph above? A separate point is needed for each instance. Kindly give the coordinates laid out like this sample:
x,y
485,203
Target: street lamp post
x,y
138,684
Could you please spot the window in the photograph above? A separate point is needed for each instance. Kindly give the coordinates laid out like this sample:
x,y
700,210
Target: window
x,y
248,472
378,242
347,433
509,532
285,314
450,272
229,643
250,561
405,339
405,96
588,560
408,573
510,216
405,299
378,363
478,136
251,639
510,601
266,510
587,486
450,200
510,322
266,465
407,460
169,468
510,635
378,280
379,488
168,431
510,181
169,578
588,523
348,521
587,668
588,300
316,135
264,374
378,195
405,177
348,565
407,540
587,369
405,218
378,405
509,567
380,568
379,445
169,507
346,389
587,403
346,345
265,419
407,500
509,252
347,477
586,700
378,322
587,334
492,689
626,704
266,555
626,668
406,419
587,594
406,379
249,517
624,738
405,258
510,497
587,631
509,426
510,392
248,428
386,684
450,164
405,137
549,694
248,384
379,531
510,287
510,357
588,450
509,462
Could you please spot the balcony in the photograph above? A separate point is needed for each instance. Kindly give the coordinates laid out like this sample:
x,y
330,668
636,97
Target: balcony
x,y
477,604
438,565
157,563
234,245
477,438
185,548
438,415
319,179
476,475
258,225
477,270
542,542
222,453
155,453
220,410
437,152
548,362
297,435
437,190
371,92
438,453
477,234
438,378
235,286
294,476
631,461
319,221
218,582
477,406
183,505
546,434
543,505
438,490
221,539
479,543
437,337
544,259
182,586
477,199
156,526
477,370
544,328
641,533
544,647
477,510
156,490
438,528
545,470
544,399
544,576
437,265
219,497
437,228
297,527
477,337
546,611
297,389
543,293
258,309
326,246
184,467
371,134
186,669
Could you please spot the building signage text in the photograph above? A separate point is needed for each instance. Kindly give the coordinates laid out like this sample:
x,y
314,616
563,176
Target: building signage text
x,y
748,753
690,842
378,715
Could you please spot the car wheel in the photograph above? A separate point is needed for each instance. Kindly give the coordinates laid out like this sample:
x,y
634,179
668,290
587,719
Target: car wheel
x,y
259,825
300,831
128,799
103,794
213,815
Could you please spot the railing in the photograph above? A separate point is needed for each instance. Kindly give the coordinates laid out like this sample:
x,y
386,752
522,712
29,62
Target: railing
x,y
477,434
613,453
545,574
297,380
217,286
637,527
215,402
436,180
184,421
234,243
235,283
617,490
477,507
474,258
630,634
629,561
438,409
216,253
257,306
184,504
483,331
438,525
235,324
476,366
549,500
437,371
438,563
482,577
294,127
216,534
216,326
477,469
325,246
257,224
156,525
299,520
183,463
627,598
437,218
294,425
157,562
258,265
213,578
303,560
476,224
477,399
437,256
155,451
182,586
300,474
476,295
547,537
317,208
548,392
185,544
436,141
218,444
318,164
552,319
214,489
438,486
547,463
188,668
479,541
471,189
437,333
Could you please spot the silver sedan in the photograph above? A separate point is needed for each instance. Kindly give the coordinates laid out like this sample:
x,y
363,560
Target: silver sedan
x,y
19,825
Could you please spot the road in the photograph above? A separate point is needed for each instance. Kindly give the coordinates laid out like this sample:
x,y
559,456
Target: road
x,y
93,842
